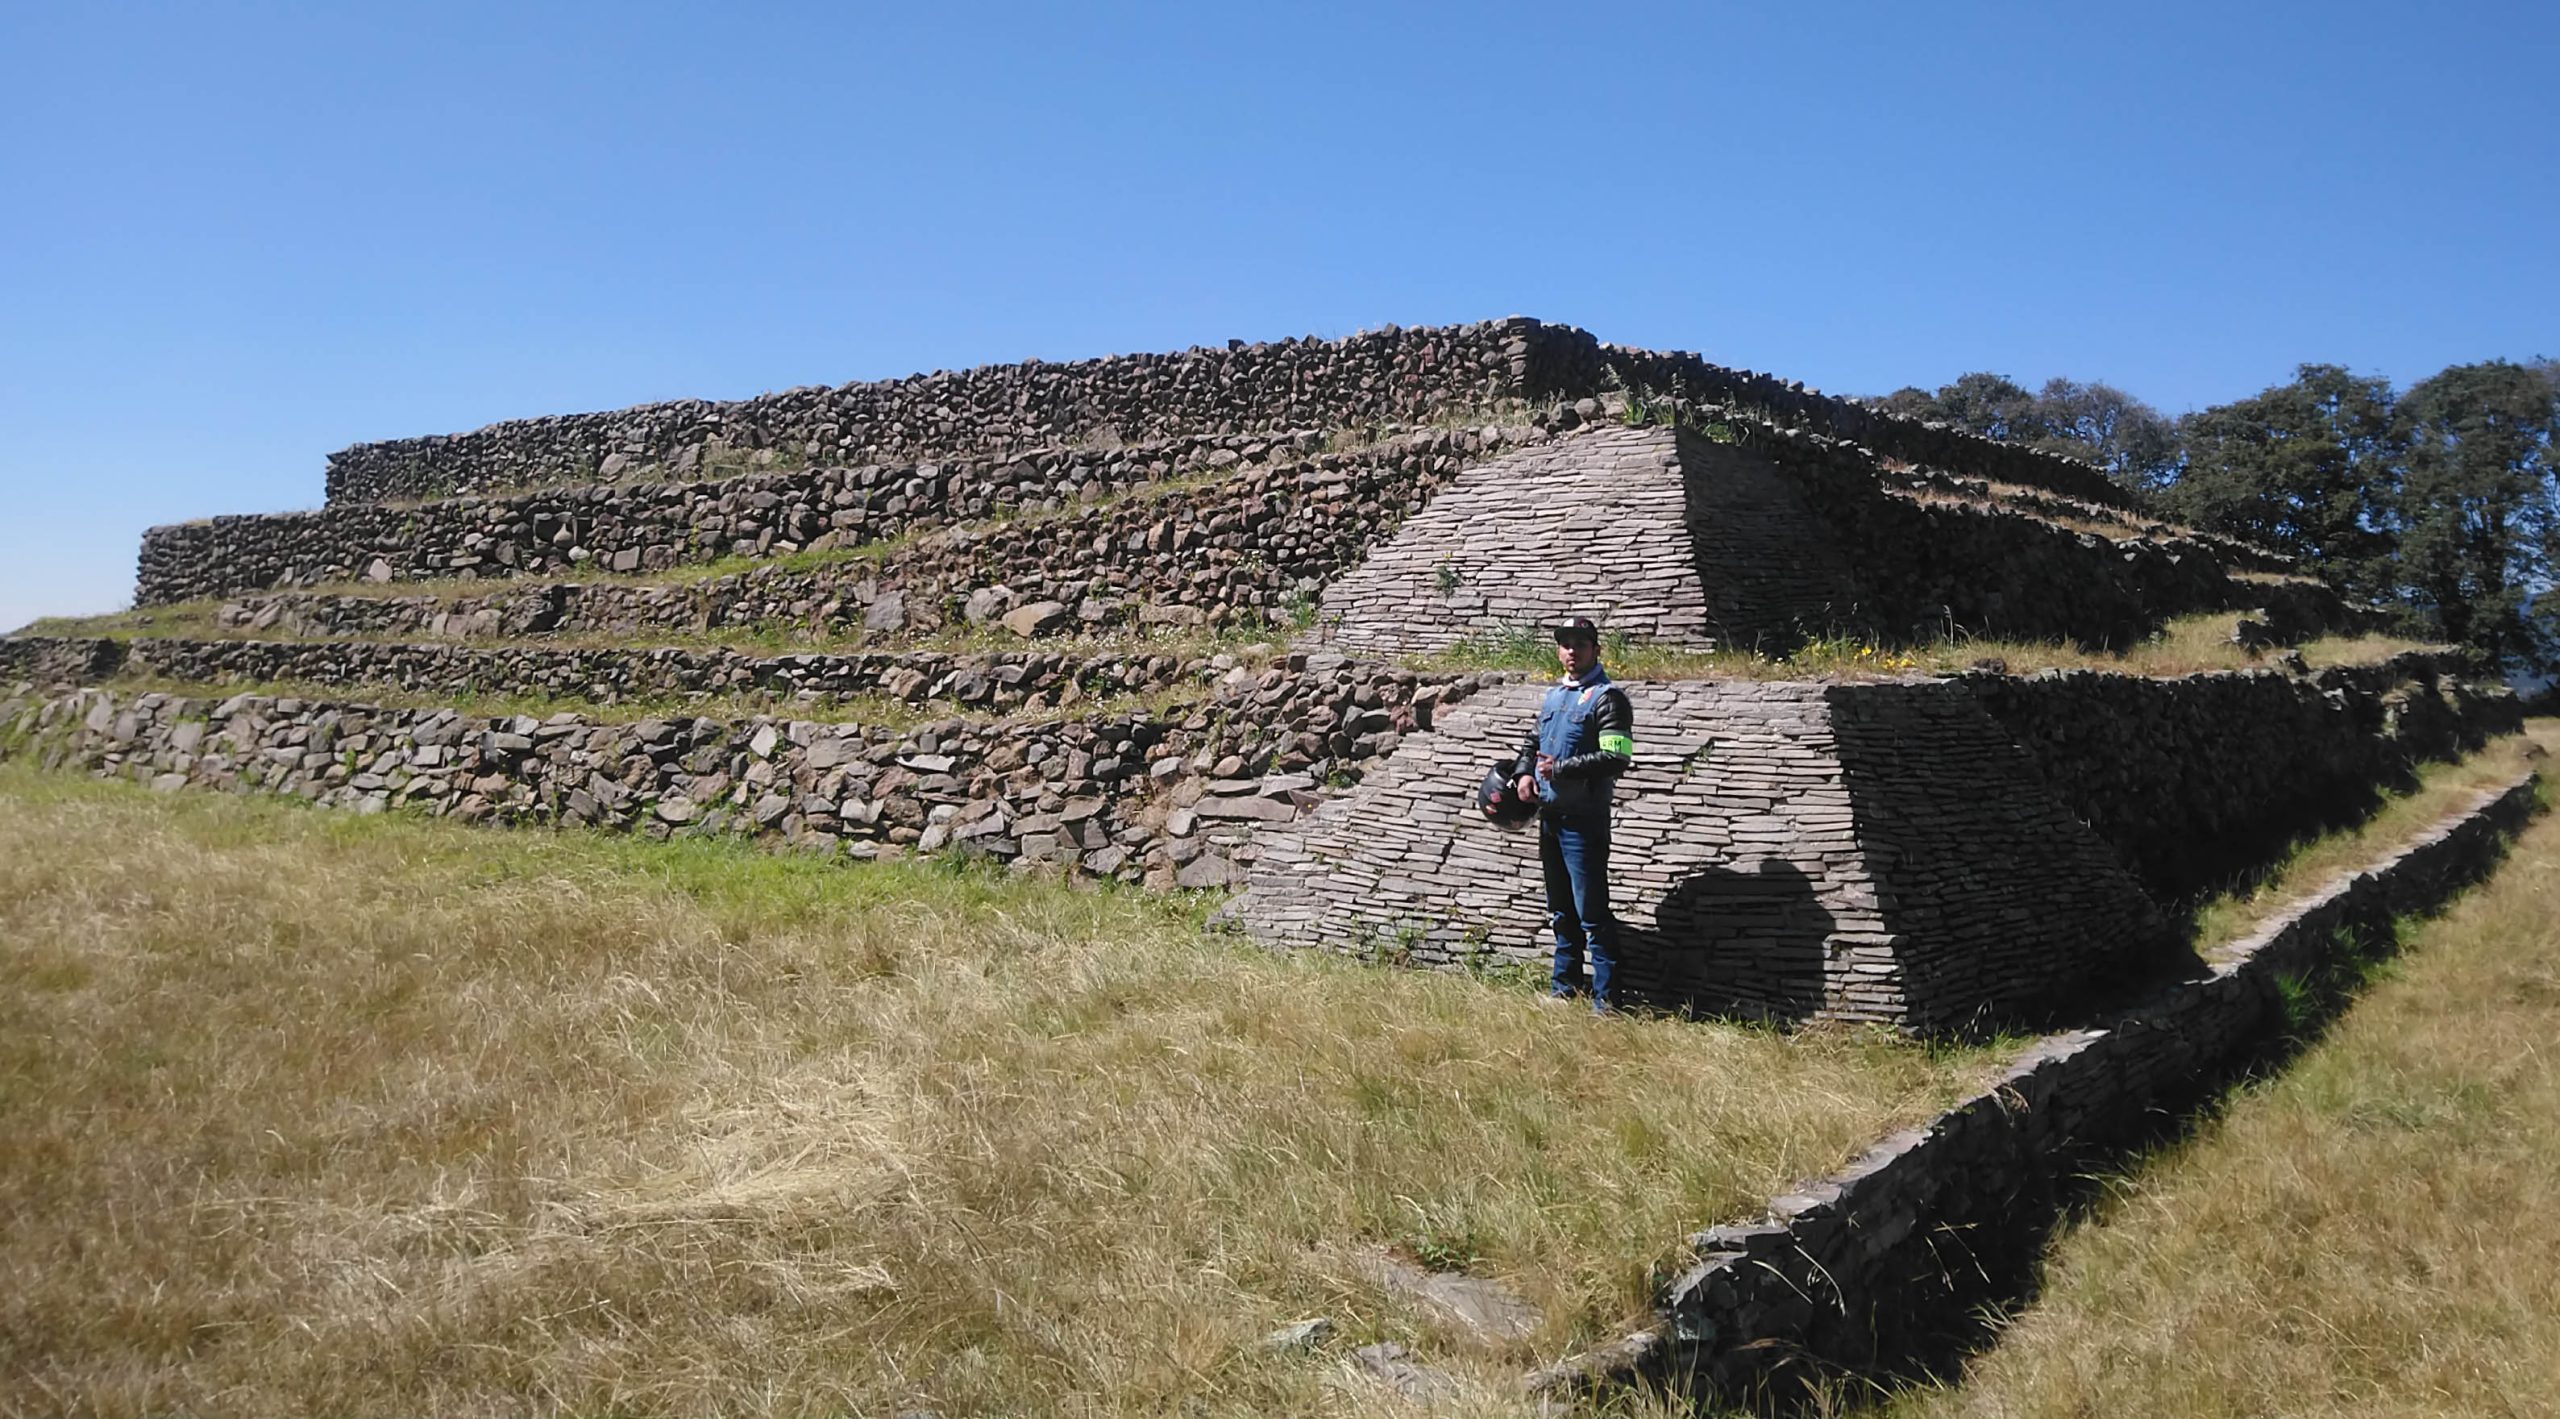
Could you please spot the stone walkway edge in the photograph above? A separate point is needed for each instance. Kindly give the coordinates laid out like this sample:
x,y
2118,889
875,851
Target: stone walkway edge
x,y
1884,1265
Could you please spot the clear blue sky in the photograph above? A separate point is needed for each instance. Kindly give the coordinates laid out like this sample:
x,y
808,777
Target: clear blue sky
x,y
238,237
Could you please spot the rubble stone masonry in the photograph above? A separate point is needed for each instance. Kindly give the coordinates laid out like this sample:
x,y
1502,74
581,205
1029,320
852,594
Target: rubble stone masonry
x,y
1391,376
1168,799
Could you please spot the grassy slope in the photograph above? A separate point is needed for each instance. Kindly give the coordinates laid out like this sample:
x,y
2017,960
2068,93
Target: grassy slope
x,y
2186,645
310,1113
2369,1233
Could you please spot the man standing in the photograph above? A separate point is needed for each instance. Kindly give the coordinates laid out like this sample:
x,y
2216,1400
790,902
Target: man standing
x,y
1569,765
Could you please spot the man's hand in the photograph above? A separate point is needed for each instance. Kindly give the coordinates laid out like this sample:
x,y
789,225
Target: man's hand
x,y
1546,766
1526,788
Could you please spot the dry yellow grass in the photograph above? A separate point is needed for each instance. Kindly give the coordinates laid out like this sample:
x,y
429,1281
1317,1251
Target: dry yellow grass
x,y
313,1114
2441,789
2369,1233
2184,646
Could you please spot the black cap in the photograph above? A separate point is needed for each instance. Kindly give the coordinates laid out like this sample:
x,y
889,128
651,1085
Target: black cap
x,y
1580,628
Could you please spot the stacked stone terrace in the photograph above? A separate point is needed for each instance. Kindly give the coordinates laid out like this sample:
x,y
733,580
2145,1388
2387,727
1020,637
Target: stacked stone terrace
x,y
1943,855
843,610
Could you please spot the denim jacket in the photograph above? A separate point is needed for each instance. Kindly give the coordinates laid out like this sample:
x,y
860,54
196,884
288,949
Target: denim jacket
x,y
1588,727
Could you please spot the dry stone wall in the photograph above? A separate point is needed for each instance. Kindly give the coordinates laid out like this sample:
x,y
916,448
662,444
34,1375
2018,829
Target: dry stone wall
x,y
645,527
2195,780
1884,1267
1240,549
59,660
1171,800
1933,557
1382,377
1863,852
1002,682
1393,376
1678,376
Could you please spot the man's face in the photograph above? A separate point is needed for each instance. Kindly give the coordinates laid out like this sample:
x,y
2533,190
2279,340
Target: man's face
x,y
1577,655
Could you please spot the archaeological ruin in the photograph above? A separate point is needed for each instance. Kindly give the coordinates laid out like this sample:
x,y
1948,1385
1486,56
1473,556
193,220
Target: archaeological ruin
x,y
1216,619
1253,619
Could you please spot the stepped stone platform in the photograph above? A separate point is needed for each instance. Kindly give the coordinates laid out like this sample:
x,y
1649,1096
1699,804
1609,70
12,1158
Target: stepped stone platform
x,y
1938,855
1933,854
995,681
1390,376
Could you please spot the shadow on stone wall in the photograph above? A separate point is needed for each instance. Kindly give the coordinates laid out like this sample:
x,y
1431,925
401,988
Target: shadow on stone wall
x,y
1769,567
2202,785
1727,941
2004,909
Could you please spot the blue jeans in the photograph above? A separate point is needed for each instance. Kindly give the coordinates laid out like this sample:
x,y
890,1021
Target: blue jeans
x,y
1576,857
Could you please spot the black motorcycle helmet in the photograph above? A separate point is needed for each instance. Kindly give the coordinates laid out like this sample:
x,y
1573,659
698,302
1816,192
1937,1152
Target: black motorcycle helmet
x,y
1496,799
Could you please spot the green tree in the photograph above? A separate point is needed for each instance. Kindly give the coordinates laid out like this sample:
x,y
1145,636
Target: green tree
x,y
2310,468
2135,443
2094,422
2479,507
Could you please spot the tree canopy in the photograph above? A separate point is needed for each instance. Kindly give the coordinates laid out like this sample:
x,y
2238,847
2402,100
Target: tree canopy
x,y
2097,422
2311,469
2443,501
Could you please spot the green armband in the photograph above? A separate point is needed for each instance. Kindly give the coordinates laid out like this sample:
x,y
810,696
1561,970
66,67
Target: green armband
x,y
1622,744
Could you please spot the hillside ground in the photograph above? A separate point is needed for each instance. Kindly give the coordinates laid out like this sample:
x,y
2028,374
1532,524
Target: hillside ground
x,y
2368,1232
318,1113
313,1113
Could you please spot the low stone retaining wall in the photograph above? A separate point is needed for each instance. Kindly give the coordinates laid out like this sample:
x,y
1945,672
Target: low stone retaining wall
x,y
1880,1267
59,661
1381,377
2195,779
653,526
1172,800
1230,552
998,682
